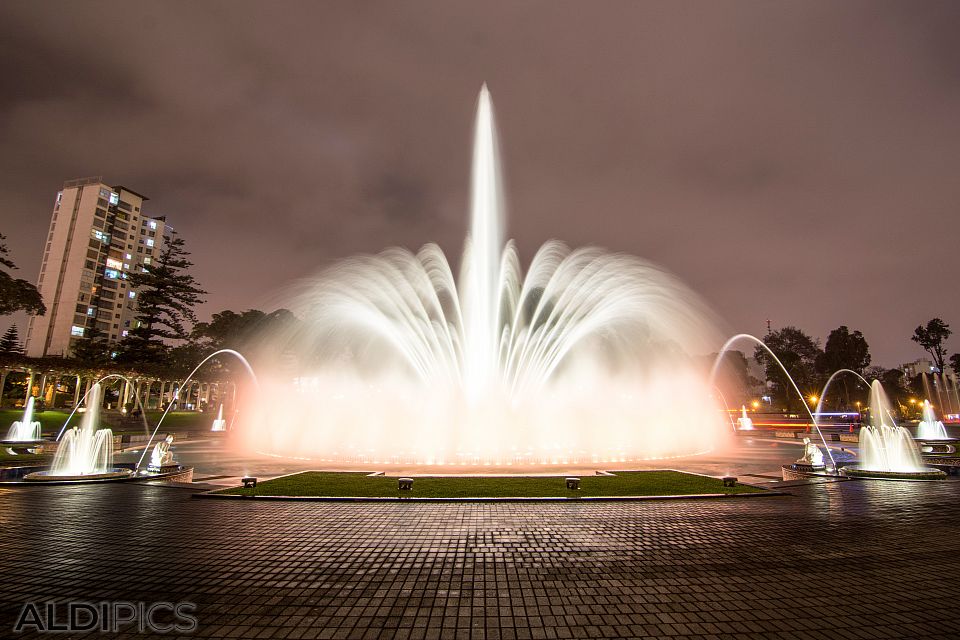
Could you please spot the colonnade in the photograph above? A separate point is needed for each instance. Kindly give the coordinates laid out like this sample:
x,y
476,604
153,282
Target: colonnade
x,y
154,393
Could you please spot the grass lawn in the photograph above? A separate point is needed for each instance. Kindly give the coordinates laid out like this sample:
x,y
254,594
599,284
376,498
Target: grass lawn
x,y
50,421
633,483
182,420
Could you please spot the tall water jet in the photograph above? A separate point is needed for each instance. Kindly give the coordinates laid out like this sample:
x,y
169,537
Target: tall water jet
x,y
888,450
929,428
85,451
884,446
744,423
572,361
482,257
26,429
219,424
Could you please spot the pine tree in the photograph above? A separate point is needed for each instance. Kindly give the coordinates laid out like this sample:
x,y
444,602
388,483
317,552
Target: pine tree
x,y
92,349
10,342
166,296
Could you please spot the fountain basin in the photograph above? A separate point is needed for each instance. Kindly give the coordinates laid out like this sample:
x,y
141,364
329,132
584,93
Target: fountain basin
x,y
48,476
924,473
22,446
41,475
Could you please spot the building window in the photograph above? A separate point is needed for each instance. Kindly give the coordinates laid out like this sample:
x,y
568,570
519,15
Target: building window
x,y
132,294
76,331
153,224
149,242
114,198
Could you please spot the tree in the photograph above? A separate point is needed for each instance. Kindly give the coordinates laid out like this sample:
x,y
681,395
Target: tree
x,y
166,296
955,364
92,349
931,337
844,350
10,342
228,329
16,294
798,352
246,330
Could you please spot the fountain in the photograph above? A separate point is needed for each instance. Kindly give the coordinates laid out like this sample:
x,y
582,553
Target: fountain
x,y
929,428
584,357
25,430
744,423
887,451
84,452
219,424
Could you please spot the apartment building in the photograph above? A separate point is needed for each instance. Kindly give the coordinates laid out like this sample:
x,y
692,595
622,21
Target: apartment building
x,y
98,236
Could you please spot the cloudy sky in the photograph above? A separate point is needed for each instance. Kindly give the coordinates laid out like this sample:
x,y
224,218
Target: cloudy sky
x,y
792,161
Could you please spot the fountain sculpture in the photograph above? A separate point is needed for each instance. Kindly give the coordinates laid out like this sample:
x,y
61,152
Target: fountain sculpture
x,y
584,357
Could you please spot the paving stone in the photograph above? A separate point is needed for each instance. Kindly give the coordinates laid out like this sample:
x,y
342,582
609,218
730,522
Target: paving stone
x,y
839,560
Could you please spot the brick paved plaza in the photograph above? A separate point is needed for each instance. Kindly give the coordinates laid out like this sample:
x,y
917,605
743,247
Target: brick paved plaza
x,y
836,560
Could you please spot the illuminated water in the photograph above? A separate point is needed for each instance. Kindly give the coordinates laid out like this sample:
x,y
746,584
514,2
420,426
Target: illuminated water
x,y
219,424
26,429
584,356
744,423
929,427
85,449
884,446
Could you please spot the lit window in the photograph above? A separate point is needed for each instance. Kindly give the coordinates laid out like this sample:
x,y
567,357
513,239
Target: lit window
x,y
111,273
147,260
132,294
123,334
114,264
129,257
114,198
153,224
76,331
91,311
149,242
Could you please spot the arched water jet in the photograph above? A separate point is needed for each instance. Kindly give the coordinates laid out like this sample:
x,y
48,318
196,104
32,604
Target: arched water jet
x,y
176,395
109,376
826,386
746,336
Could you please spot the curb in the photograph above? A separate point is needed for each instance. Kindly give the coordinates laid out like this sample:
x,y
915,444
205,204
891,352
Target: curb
x,y
572,500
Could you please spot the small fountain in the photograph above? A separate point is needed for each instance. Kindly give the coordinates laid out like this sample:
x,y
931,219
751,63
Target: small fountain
x,y
929,427
887,451
743,422
25,430
84,452
219,424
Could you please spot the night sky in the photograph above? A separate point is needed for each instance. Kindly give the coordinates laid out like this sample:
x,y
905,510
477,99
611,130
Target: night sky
x,y
792,161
